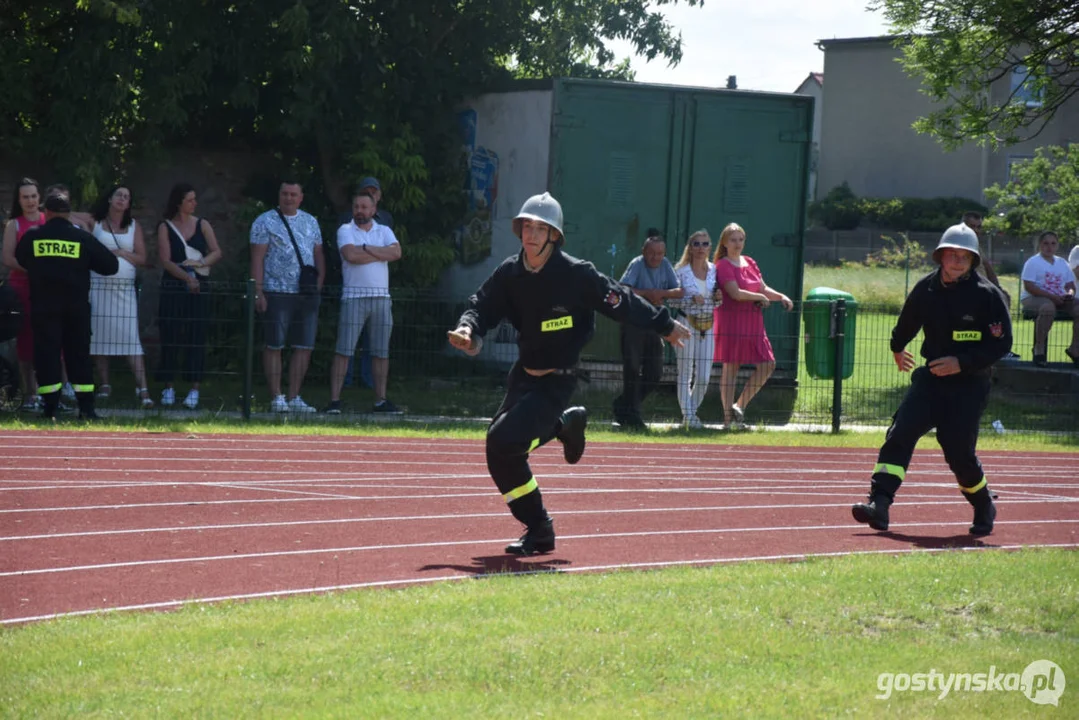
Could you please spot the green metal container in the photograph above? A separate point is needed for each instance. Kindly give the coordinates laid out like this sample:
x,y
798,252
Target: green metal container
x,y
820,345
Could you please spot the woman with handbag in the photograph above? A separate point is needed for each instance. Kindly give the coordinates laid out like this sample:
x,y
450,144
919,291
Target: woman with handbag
x,y
188,248
697,276
114,303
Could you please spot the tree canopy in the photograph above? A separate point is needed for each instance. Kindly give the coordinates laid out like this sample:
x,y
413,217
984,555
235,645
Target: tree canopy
x,y
959,48
91,81
1043,194
337,89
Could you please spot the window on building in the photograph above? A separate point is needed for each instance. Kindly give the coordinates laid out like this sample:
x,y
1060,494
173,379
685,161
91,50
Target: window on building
x,y
1021,90
1014,160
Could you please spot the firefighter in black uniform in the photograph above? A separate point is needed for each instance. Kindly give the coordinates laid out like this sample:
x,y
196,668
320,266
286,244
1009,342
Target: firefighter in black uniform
x,y
550,298
967,329
58,258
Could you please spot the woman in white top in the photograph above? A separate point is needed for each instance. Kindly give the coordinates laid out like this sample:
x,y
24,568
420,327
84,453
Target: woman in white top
x,y
697,276
114,303
1049,287
188,248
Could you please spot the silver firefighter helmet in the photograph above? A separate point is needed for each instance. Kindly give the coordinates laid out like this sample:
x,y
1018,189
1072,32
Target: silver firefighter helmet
x,y
958,236
539,207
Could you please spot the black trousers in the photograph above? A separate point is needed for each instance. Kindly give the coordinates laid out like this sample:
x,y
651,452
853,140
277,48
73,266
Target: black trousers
x,y
183,317
529,417
642,368
62,336
954,406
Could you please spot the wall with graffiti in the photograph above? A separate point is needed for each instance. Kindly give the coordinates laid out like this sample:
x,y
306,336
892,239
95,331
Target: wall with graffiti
x,y
506,139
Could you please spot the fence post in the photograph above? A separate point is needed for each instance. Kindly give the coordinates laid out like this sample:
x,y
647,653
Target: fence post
x,y
249,347
906,282
839,317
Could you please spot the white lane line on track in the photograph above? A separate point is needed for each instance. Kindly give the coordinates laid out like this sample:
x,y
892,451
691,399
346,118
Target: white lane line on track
x,y
478,492
124,439
471,516
468,447
440,578
370,480
895,527
624,465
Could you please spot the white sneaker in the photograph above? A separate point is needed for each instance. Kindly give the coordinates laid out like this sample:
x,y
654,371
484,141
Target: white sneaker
x,y
297,404
279,404
168,397
192,400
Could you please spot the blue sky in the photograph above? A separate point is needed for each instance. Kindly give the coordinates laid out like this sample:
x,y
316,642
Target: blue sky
x,y
768,44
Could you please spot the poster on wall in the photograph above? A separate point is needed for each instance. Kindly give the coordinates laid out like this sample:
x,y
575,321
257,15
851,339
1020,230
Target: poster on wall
x,y
481,187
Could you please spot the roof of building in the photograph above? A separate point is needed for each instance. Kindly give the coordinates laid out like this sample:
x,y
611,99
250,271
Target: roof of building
x,y
851,41
813,77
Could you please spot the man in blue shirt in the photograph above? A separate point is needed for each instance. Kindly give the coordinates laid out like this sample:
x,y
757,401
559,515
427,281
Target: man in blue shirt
x,y
651,276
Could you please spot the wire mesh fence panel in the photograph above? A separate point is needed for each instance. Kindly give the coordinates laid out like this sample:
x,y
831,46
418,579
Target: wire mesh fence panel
x,y
169,336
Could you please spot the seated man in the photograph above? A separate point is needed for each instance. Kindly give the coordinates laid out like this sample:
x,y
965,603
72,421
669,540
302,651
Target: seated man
x,y
1048,288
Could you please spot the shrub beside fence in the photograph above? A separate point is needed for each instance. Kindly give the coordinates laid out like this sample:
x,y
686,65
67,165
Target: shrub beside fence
x,y
428,378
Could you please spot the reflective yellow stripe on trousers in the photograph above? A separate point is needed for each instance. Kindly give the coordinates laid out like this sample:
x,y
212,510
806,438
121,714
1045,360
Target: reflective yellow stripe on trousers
x,y
83,388
976,488
46,389
521,491
897,470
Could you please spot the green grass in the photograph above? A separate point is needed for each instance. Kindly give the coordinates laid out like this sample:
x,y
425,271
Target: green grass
x,y
803,639
477,431
880,286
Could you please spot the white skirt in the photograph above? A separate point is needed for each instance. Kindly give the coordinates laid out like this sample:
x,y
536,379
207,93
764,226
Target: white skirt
x,y
114,317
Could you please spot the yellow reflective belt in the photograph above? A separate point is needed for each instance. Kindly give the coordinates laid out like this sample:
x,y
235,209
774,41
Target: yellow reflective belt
x,y
46,389
534,445
83,388
521,491
976,488
899,471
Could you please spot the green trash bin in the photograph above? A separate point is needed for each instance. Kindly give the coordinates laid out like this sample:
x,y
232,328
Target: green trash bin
x,y
820,345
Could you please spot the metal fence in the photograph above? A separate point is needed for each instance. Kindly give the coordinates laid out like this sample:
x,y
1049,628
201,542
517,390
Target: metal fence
x,y
218,341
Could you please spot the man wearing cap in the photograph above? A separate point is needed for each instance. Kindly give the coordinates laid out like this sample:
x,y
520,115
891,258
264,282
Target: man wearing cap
x,y
967,328
58,258
372,187
550,298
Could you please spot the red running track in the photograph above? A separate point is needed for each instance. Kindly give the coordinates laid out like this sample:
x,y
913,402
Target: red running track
x,y
93,522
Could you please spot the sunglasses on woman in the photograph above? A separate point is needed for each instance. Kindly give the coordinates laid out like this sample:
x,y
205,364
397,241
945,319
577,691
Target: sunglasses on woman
x,y
700,243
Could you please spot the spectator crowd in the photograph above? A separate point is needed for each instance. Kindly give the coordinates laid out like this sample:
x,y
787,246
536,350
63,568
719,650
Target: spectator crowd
x,y
717,290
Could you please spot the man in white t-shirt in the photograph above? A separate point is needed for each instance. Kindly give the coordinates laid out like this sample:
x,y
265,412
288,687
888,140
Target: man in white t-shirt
x,y
367,249
1048,288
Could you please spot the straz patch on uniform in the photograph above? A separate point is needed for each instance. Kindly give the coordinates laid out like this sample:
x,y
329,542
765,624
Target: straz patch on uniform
x,y
613,299
562,323
996,329
966,335
57,248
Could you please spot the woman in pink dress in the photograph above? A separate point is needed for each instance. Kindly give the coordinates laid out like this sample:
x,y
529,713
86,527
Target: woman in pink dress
x,y
25,214
740,336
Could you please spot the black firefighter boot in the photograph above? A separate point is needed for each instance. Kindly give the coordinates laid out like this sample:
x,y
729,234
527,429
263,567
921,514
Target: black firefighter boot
x,y
881,494
537,539
574,422
985,512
